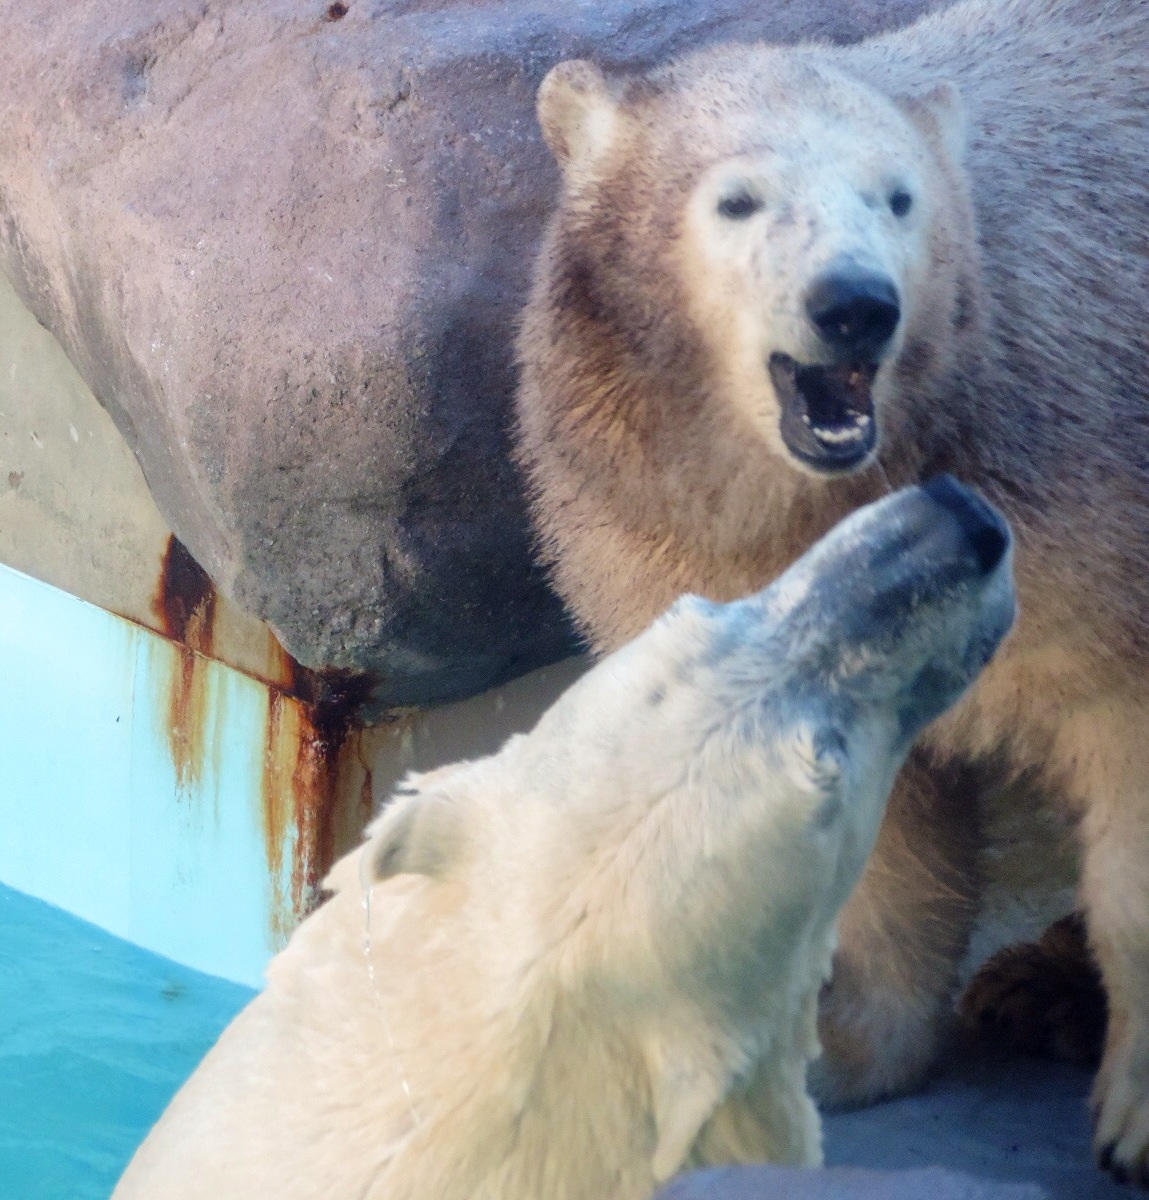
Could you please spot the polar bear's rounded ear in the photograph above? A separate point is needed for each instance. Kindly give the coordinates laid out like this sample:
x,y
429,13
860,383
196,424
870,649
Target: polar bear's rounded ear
x,y
577,111
419,833
940,114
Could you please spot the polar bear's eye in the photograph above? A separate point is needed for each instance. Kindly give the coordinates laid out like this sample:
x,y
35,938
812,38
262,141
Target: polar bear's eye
x,y
901,202
739,206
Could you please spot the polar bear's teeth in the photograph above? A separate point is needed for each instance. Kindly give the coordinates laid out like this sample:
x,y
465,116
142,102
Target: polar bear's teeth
x,y
840,434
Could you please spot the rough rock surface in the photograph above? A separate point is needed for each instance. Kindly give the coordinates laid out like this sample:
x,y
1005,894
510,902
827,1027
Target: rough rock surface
x,y
285,243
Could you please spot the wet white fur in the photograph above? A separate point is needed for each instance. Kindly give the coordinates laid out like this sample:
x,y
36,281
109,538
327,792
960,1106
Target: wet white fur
x,y
584,949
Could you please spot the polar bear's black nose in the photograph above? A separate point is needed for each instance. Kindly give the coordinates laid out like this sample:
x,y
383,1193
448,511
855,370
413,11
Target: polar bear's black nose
x,y
984,528
855,312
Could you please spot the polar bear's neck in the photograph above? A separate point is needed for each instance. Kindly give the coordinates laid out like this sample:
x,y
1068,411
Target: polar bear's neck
x,y
548,1082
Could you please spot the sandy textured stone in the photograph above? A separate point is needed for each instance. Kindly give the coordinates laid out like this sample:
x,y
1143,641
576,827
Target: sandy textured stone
x,y
284,244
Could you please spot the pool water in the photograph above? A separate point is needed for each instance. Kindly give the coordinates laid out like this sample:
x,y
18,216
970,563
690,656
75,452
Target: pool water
x,y
96,1036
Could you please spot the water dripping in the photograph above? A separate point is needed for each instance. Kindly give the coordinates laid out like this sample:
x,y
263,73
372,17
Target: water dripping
x,y
373,983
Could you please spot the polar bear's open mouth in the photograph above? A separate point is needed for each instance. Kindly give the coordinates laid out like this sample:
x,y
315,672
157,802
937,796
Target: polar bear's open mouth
x,y
827,412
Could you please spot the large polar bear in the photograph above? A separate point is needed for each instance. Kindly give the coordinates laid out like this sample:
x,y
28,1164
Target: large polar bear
x,y
778,279
577,955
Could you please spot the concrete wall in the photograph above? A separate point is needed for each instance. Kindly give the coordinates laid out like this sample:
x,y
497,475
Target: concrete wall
x,y
75,510
166,770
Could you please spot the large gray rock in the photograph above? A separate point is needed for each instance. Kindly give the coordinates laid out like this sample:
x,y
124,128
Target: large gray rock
x,y
285,244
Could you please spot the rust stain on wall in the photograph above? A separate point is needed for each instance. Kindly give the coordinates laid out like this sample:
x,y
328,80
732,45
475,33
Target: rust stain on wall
x,y
282,667
313,787
184,604
276,795
366,793
185,598
316,778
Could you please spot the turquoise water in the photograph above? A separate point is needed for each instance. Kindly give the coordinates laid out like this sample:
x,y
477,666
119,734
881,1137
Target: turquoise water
x,y
96,1035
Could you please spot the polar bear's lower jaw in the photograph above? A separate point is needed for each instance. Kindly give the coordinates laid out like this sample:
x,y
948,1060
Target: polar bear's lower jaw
x,y
827,412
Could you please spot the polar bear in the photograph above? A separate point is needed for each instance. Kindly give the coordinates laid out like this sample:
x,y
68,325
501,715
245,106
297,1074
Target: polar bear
x,y
553,974
779,281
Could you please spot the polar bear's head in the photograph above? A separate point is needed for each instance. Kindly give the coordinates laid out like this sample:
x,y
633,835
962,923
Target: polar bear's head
x,y
809,231
717,783
644,887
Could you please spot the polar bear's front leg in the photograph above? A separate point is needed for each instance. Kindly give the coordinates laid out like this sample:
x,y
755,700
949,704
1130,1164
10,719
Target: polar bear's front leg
x,y
1108,751
773,1120
900,940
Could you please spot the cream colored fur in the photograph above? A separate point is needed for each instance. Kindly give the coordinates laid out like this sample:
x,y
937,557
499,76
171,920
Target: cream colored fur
x,y
648,428
568,970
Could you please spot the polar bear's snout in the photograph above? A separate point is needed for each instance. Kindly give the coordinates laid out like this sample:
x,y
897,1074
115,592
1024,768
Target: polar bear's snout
x,y
944,540
903,603
855,312
827,407
983,528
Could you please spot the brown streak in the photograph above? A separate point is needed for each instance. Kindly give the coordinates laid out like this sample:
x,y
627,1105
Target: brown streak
x,y
306,771
184,603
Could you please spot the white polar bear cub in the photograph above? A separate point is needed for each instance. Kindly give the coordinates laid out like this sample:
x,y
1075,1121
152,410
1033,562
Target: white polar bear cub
x,y
568,970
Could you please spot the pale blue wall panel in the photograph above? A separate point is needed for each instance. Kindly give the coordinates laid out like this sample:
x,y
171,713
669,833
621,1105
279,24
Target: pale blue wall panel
x,y
95,814
67,671
198,846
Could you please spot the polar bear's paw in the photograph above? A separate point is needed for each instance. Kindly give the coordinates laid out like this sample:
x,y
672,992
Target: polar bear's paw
x,y
1121,1108
1044,997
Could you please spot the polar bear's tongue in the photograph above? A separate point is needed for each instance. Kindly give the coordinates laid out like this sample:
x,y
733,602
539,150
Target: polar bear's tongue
x,y
827,412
